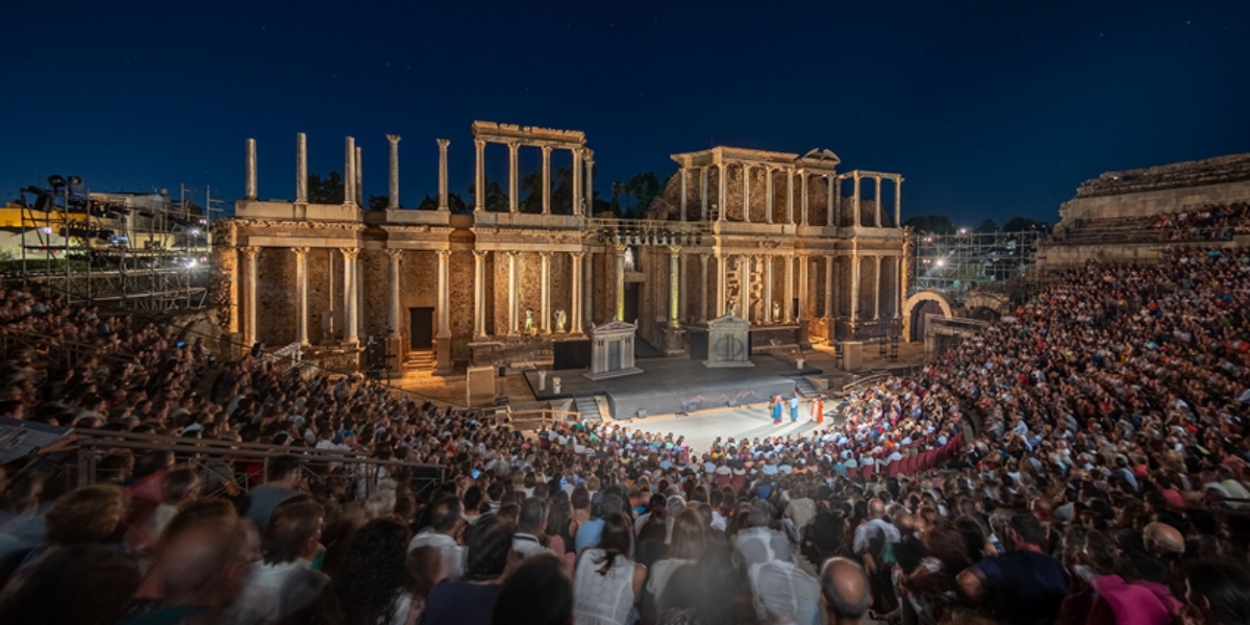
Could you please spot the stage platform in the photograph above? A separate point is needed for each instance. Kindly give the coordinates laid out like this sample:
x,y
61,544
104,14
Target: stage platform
x,y
676,385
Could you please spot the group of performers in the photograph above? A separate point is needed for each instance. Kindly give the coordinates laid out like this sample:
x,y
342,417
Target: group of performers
x,y
778,406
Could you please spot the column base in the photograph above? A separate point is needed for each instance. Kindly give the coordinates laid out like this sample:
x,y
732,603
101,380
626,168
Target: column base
x,y
673,340
443,364
804,338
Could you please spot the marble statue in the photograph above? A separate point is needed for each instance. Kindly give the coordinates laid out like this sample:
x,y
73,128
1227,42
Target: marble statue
x,y
530,330
732,308
629,259
776,311
560,319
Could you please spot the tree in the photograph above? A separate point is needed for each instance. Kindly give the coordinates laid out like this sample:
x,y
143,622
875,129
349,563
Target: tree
x,y
328,190
988,226
377,202
1020,224
495,201
932,224
428,203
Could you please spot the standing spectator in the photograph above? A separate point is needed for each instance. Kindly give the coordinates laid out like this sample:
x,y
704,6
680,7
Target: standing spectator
x,y
80,584
689,540
1218,594
373,585
444,534
180,488
608,585
588,533
1023,585
531,524
542,576
282,480
844,591
470,600
282,583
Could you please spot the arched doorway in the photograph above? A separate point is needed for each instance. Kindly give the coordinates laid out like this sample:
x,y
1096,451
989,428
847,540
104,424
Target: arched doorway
x,y
926,307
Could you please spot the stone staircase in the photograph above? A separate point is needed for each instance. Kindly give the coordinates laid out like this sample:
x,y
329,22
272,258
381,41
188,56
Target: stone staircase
x,y
422,360
588,407
805,388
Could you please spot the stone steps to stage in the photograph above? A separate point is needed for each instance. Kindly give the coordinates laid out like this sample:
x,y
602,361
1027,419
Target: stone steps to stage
x,y
588,407
805,388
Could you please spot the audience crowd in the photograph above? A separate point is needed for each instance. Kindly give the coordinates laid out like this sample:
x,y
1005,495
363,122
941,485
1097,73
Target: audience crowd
x,y
1092,470
1214,221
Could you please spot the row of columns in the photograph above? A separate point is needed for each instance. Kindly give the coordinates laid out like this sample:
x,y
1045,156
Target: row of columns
x,y
583,170
513,292
833,211
351,294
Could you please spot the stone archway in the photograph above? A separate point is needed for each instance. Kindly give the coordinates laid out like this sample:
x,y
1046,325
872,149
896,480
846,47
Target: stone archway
x,y
997,302
920,299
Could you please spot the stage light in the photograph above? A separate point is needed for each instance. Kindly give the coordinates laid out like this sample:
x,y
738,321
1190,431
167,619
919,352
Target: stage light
x,y
56,181
195,233
940,262
75,181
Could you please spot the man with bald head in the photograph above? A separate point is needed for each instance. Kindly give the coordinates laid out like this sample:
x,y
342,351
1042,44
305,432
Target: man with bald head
x,y
871,537
844,591
1162,539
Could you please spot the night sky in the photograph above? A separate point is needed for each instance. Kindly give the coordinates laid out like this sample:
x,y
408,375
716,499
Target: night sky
x,y
989,109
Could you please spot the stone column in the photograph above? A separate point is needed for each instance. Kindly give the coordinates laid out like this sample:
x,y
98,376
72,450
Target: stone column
x,y
837,199
805,284
250,270
722,190
301,294
703,193
855,261
360,183
788,308
392,186
444,294
479,293
301,168
703,287
722,282
876,291
878,200
393,278
250,172
619,313
544,292
350,296
683,192
512,176
768,197
829,314
589,183
899,292
588,290
768,290
349,171
514,323
746,193
442,174
577,181
442,337
829,203
744,287
575,303
789,205
898,202
803,202
479,177
674,284
683,311
546,150
859,219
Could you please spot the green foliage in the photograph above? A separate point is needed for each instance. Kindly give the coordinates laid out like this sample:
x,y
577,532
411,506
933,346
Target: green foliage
x,y
987,226
428,203
377,202
328,190
932,224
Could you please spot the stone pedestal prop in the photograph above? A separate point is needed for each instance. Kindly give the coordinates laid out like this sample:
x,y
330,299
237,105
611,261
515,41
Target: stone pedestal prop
x,y
728,342
672,340
612,350
852,355
542,380
555,385
480,386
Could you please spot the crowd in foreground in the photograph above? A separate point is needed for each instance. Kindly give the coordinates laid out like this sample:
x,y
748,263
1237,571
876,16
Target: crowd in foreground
x,y
1101,480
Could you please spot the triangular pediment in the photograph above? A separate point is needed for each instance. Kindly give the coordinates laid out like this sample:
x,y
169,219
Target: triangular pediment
x,y
615,327
728,320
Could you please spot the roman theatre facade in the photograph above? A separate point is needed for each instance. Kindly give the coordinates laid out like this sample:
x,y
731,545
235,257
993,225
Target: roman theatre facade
x,y
786,241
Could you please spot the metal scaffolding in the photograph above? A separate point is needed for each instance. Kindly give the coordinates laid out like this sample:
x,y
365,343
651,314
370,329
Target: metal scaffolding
x,y
132,251
956,264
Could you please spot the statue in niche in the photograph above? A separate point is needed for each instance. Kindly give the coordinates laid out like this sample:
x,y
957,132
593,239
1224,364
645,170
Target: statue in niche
x,y
629,259
732,307
776,311
560,319
530,330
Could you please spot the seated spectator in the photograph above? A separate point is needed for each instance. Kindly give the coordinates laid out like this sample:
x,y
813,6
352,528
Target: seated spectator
x,y
1022,585
282,480
179,489
84,583
607,584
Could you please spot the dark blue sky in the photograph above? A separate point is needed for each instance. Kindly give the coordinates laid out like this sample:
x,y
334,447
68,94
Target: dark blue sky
x,y
989,109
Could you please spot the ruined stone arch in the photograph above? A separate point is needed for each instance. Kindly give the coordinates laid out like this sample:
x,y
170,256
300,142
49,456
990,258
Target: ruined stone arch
x,y
997,302
919,299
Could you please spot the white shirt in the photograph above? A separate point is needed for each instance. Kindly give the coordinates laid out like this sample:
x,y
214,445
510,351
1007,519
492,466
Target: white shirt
x,y
453,555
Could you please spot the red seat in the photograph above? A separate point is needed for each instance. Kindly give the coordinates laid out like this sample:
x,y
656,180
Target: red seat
x,y
909,465
867,471
892,468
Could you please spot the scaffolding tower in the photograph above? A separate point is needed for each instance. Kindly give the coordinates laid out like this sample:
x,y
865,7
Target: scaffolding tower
x,y
131,251
956,264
